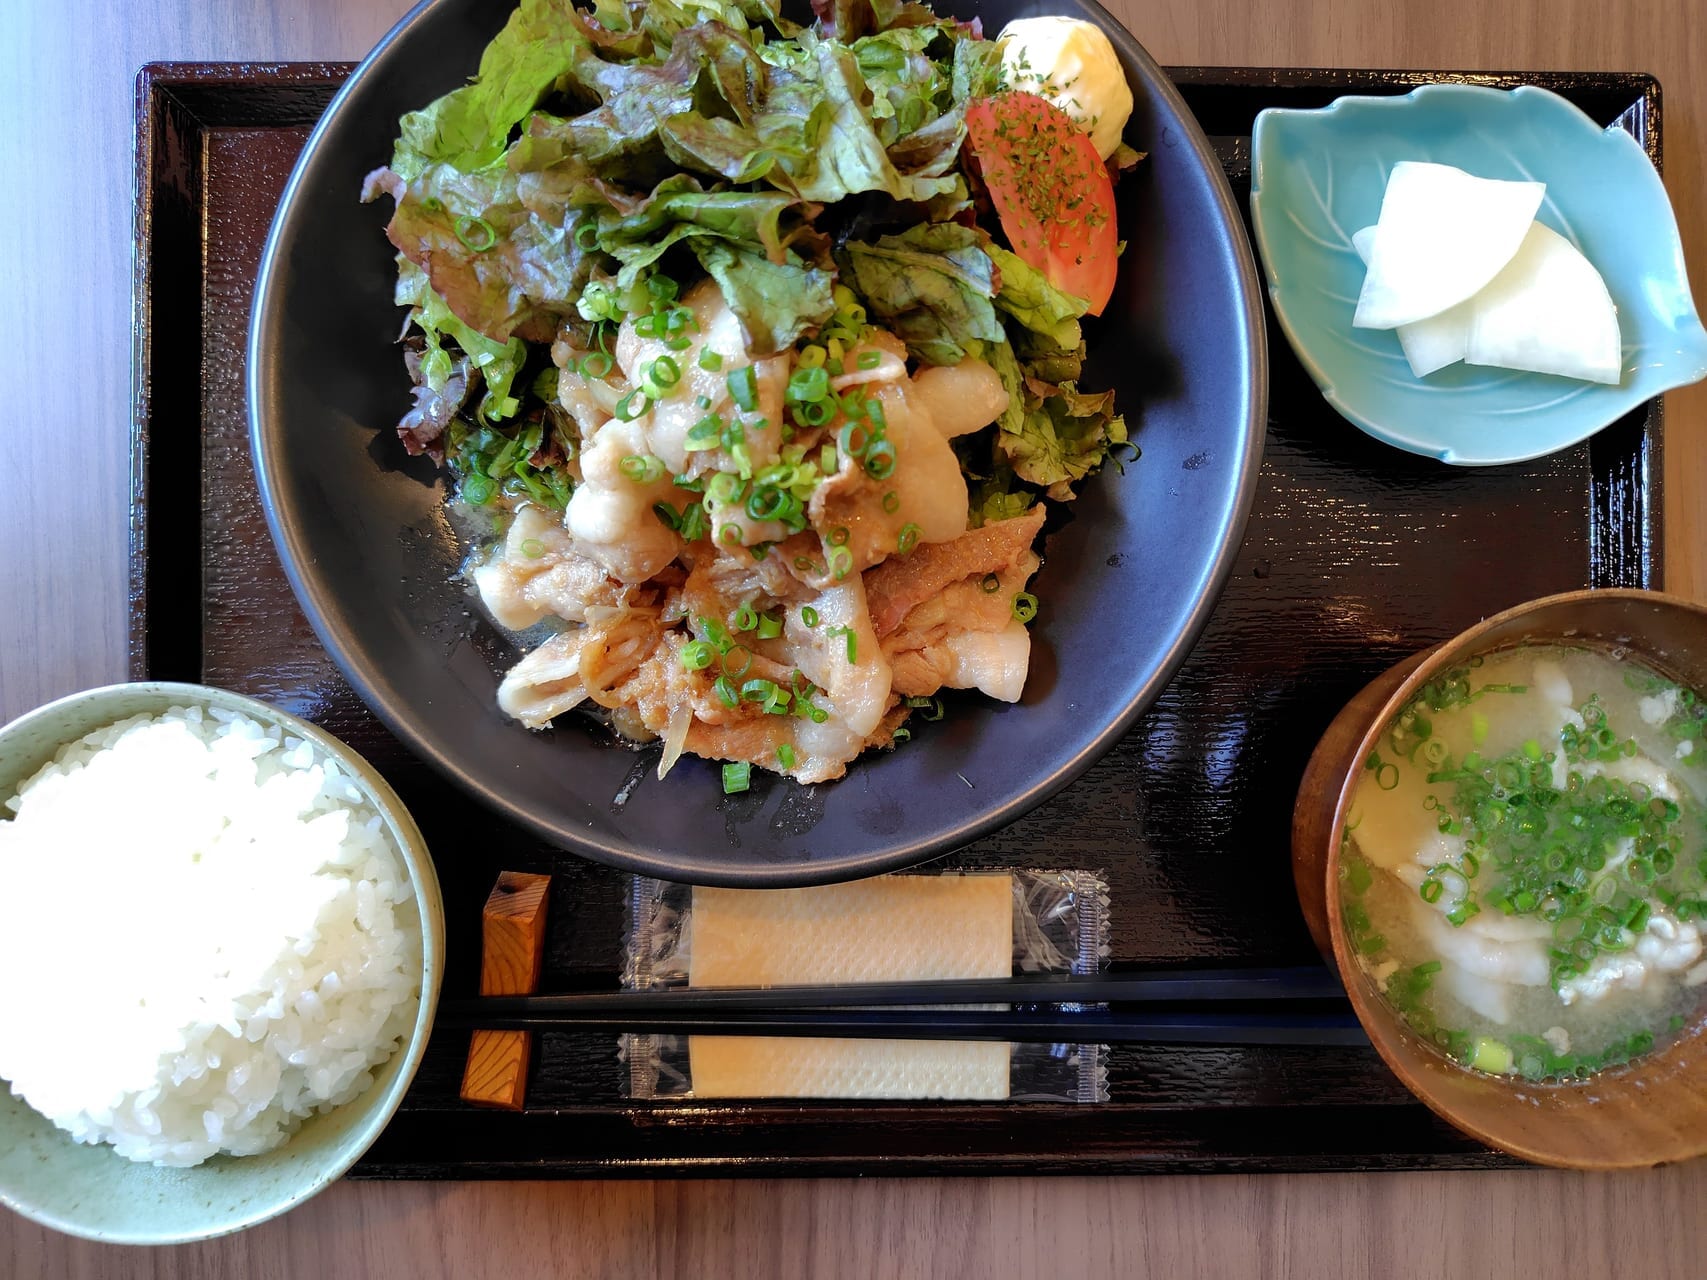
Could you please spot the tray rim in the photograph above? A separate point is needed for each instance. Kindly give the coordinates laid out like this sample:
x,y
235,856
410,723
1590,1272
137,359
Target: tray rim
x,y
188,97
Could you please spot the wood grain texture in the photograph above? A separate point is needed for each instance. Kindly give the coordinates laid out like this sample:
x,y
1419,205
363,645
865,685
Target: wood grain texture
x,y
512,949
65,92
513,935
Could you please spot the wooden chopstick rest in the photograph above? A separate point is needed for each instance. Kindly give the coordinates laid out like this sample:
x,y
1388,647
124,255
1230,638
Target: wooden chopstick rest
x,y
512,949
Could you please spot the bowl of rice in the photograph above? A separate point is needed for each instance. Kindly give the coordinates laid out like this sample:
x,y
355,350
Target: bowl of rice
x,y
221,942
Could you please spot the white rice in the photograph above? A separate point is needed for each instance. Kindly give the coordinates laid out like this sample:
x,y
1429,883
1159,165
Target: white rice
x,y
206,935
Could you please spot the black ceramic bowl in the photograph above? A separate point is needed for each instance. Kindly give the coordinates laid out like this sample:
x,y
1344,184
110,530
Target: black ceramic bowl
x,y
1127,584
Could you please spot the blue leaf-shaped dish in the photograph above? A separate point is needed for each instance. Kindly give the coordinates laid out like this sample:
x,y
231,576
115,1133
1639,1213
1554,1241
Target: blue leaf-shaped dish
x,y
1318,176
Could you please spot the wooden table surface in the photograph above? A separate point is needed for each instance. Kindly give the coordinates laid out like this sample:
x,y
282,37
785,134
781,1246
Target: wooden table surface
x,y
66,73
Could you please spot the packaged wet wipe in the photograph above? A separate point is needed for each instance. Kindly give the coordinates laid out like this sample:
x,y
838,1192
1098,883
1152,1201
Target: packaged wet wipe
x,y
887,929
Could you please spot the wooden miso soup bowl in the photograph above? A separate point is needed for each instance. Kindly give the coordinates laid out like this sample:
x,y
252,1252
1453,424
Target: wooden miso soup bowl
x,y
1650,1111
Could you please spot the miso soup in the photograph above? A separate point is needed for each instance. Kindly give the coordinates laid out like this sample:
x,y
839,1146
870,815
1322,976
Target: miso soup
x,y
1525,862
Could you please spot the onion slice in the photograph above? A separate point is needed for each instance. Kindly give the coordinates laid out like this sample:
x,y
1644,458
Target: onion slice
x,y
675,737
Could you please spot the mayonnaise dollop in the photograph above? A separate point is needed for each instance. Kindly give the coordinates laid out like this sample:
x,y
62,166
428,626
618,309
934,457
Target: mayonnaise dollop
x,y
1071,63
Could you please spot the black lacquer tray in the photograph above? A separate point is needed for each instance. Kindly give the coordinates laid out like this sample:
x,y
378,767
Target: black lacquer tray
x,y
1355,556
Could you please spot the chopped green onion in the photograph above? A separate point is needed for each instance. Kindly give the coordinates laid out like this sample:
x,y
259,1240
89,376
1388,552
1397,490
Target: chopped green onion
x,y
711,361
477,489
767,502
681,342
737,660
696,655
869,359
587,236
476,233
627,408
723,489
664,372
737,777
1463,911
853,439
839,536
642,468
839,561
1024,607
743,386
596,365
785,756
808,384
811,357
667,515
770,626
704,434
693,526
902,733
809,615
908,539
731,535
891,502
813,413
746,618
990,584
880,460
874,411
724,688
662,288
715,633
851,638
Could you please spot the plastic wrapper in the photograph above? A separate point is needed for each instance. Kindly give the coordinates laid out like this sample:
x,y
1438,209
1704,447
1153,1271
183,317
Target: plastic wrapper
x,y
1060,925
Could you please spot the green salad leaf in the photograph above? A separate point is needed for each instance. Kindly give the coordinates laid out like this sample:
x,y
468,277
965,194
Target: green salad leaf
x,y
497,362
847,20
827,143
712,70
469,127
1035,303
1052,435
932,284
492,243
776,302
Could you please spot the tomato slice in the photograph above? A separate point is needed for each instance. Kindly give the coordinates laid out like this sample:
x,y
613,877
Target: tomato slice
x,y
1051,191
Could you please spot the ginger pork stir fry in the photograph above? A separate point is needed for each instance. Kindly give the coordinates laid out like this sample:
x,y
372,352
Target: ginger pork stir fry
x,y
753,592
758,345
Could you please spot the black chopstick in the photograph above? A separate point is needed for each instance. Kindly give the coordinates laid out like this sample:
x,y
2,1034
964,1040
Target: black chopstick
x,y
1184,986
1047,1026
870,1009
